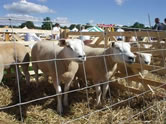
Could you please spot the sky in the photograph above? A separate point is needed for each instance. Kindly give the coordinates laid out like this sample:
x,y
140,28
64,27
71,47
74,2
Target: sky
x,y
122,12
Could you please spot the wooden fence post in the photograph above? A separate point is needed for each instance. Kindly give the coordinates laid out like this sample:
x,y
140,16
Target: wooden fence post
x,y
106,37
64,33
7,36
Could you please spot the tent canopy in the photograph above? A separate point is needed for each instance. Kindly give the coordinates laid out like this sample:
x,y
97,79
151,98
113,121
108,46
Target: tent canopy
x,y
25,27
95,29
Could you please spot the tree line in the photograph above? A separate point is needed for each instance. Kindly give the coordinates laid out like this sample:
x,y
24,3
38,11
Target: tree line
x,y
47,24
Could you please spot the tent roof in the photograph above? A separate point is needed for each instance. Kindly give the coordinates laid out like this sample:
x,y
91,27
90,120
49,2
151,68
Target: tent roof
x,y
25,27
95,29
74,29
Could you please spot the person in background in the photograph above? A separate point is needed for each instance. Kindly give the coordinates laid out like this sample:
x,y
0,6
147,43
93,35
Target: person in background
x,y
120,38
158,25
85,38
31,37
165,21
56,32
165,24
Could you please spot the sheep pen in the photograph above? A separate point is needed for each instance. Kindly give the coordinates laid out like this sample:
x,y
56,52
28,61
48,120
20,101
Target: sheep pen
x,y
44,111
127,104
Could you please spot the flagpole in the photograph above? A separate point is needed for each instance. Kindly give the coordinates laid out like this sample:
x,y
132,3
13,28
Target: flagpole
x,y
149,20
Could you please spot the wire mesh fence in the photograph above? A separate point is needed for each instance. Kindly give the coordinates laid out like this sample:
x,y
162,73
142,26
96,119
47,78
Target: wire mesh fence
x,y
88,93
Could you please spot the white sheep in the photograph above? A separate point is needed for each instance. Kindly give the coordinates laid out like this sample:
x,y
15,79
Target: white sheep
x,y
142,58
95,66
46,50
11,53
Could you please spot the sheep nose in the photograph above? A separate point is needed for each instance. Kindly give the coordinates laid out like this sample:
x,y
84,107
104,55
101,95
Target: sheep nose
x,y
131,58
146,62
83,57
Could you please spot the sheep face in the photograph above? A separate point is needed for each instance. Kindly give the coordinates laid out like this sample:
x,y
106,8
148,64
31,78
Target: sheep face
x,y
145,58
73,48
122,51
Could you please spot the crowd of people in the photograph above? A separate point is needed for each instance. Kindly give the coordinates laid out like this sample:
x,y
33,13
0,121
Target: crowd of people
x,y
159,25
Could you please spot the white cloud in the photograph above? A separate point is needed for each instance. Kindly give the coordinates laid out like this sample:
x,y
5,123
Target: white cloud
x,y
91,22
18,19
119,2
63,21
42,1
24,7
23,17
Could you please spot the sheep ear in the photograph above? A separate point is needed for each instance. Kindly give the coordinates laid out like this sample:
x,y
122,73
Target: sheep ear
x,y
62,42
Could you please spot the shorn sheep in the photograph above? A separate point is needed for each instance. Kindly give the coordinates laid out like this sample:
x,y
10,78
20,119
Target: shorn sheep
x,y
11,53
60,70
95,66
141,58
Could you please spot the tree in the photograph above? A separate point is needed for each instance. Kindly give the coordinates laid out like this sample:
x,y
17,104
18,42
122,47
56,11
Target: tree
x,y
88,25
138,25
124,26
78,27
147,27
28,24
72,26
56,24
64,27
47,23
